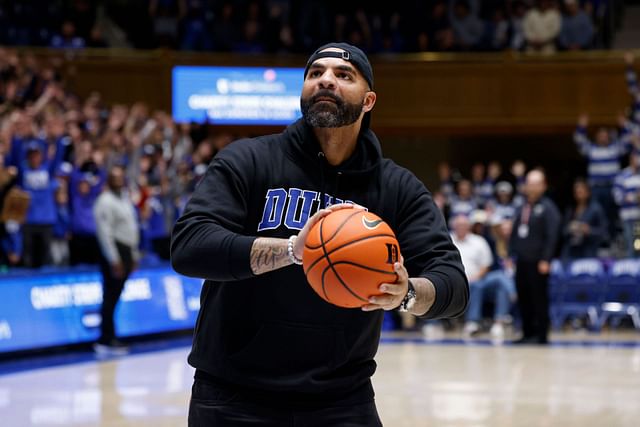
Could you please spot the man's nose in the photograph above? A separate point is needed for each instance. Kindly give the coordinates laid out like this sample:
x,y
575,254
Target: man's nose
x,y
327,80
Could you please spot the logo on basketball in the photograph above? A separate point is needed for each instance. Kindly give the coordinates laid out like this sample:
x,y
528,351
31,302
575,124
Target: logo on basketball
x,y
371,224
392,253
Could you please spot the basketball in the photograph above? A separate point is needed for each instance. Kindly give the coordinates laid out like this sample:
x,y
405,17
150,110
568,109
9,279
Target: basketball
x,y
348,254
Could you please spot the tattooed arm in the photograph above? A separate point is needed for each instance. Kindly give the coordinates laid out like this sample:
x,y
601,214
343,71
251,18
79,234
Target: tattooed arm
x,y
268,254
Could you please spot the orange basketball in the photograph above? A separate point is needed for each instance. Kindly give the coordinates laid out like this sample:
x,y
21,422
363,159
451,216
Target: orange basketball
x,y
348,255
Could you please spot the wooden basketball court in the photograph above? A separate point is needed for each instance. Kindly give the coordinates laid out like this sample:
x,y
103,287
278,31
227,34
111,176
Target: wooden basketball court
x,y
580,380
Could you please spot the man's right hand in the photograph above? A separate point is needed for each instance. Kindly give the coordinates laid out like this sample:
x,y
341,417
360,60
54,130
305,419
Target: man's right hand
x,y
298,248
117,270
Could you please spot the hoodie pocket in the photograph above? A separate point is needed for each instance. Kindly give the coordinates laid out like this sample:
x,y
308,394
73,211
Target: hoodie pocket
x,y
292,348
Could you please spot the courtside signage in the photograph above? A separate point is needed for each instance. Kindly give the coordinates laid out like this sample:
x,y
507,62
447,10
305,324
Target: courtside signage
x,y
59,308
236,95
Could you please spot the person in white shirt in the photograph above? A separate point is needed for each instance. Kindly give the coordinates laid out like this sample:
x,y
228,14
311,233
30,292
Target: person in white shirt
x,y
542,26
118,235
477,260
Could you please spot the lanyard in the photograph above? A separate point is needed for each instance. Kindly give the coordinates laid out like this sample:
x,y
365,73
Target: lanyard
x,y
526,213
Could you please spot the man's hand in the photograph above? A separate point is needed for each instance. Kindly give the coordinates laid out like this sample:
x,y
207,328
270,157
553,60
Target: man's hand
x,y
117,269
393,293
543,267
298,248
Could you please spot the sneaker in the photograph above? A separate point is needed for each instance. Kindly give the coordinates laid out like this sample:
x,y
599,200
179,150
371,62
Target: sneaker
x,y
469,329
497,332
112,348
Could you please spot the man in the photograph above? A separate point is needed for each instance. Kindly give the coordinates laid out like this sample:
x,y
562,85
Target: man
x,y
477,260
533,244
267,350
118,235
626,193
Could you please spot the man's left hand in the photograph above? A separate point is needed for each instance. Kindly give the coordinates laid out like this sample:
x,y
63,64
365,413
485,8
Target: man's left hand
x,y
392,293
543,267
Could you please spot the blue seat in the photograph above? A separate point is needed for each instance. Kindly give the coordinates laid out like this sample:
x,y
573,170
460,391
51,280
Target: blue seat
x,y
622,294
582,292
556,289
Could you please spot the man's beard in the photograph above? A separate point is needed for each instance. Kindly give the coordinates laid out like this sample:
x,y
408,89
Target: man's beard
x,y
328,115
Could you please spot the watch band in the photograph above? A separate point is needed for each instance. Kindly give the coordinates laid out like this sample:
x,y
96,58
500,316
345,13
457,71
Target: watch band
x,y
409,299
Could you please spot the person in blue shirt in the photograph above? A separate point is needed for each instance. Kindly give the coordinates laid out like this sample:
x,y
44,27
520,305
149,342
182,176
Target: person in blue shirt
x,y
36,179
85,184
577,31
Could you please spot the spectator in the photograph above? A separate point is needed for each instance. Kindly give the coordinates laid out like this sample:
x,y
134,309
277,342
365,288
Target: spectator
x,y
498,30
518,170
577,29
518,40
447,182
533,245
61,228
585,224
541,27
626,192
84,187
468,29
196,26
36,179
225,32
634,90
118,235
439,32
477,260
482,186
603,158
503,206
67,39
463,203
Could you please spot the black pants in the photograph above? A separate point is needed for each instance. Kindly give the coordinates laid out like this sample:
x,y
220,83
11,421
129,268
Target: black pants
x,y
84,249
111,289
533,300
215,406
37,241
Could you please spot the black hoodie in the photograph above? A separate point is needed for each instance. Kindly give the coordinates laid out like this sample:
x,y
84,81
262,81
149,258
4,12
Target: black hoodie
x,y
272,332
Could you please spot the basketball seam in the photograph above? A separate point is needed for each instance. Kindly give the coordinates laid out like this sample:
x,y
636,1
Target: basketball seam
x,y
365,267
326,254
334,233
330,266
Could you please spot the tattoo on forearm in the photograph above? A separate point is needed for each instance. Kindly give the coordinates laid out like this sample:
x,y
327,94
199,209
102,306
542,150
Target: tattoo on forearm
x,y
268,254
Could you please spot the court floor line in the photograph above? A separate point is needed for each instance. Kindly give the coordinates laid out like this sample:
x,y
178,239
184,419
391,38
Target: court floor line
x,y
41,361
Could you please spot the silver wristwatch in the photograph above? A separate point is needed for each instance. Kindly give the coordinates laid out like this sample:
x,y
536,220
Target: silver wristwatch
x,y
409,299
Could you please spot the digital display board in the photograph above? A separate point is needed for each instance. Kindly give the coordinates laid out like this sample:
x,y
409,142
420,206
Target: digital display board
x,y
58,308
236,95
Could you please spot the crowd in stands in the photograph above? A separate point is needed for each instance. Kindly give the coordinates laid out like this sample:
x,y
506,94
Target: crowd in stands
x,y
483,208
55,151
285,26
